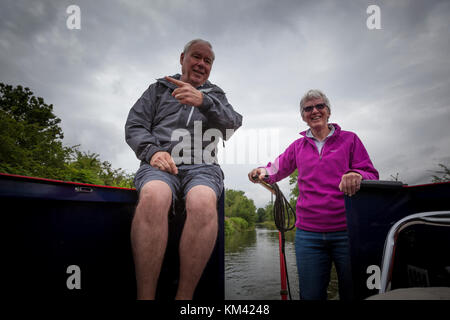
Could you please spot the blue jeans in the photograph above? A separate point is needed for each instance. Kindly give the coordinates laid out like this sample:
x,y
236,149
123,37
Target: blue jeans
x,y
315,251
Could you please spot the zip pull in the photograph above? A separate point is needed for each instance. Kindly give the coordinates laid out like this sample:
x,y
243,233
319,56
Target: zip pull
x,y
190,115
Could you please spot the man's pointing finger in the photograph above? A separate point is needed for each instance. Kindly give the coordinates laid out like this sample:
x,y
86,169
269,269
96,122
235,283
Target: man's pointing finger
x,y
175,81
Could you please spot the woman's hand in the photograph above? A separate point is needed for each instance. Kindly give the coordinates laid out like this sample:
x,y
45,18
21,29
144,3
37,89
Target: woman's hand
x,y
350,183
257,175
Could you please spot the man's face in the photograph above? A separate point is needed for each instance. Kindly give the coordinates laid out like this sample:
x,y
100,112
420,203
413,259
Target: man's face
x,y
316,118
196,64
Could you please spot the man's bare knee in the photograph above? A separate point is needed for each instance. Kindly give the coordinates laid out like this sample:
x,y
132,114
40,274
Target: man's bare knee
x,y
155,198
201,202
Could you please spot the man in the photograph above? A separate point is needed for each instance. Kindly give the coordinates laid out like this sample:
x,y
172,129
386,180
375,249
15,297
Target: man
x,y
185,106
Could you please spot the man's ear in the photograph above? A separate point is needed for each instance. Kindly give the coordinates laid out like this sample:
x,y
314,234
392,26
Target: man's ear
x,y
181,58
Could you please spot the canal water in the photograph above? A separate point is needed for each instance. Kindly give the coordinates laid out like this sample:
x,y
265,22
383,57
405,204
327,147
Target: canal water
x,y
252,266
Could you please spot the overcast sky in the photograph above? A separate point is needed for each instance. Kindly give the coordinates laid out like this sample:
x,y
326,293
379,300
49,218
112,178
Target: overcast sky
x,y
390,86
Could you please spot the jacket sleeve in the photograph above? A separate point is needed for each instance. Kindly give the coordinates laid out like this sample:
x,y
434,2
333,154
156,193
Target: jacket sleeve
x,y
138,126
283,165
360,161
220,113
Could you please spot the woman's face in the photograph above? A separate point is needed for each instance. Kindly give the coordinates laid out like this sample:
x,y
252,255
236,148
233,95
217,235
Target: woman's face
x,y
316,118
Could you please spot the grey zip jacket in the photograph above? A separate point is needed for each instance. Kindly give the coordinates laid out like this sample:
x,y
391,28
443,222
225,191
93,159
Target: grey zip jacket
x,y
159,122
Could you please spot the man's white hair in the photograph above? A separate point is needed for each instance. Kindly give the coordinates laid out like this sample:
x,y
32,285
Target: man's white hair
x,y
192,42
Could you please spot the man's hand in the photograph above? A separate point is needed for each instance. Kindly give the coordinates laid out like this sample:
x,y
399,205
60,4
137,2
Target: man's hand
x,y
186,93
257,175
164,162
350,183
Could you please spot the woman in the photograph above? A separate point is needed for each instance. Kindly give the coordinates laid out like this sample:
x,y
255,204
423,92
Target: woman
x,y
330,162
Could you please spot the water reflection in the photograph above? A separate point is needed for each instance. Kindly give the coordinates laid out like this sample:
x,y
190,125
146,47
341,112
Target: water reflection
x,y
240,241
252,265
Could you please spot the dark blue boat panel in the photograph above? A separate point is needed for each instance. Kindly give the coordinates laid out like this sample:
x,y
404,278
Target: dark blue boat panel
x,y
23,187
373,211
53,226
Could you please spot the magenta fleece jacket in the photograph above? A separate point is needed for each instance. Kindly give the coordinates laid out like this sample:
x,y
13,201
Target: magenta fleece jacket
x,y
320,205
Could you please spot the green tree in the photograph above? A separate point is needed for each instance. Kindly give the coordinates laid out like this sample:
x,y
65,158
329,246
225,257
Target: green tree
x,y
294,191
238,205
261,213
268,212
30,135
31,144
88,168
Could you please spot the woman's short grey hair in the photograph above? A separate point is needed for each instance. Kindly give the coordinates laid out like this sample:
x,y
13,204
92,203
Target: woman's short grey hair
x,y
314,94
192,42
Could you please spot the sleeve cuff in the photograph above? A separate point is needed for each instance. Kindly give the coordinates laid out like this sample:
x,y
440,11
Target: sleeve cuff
x,y
151,151
360,172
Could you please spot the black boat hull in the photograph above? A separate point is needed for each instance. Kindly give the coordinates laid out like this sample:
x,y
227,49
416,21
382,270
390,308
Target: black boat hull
x,y
54,225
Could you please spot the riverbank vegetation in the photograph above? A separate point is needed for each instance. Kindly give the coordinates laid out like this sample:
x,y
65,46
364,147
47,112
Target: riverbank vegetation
x,y
31,144
240,212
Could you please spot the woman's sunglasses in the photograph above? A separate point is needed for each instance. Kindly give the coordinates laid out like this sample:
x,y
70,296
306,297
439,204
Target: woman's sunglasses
x,y
319,106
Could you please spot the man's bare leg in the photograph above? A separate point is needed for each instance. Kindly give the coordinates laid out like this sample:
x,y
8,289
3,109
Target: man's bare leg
x,y
198,238
149,232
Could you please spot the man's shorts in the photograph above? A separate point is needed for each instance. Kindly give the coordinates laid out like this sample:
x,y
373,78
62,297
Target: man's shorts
x,y
188,176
